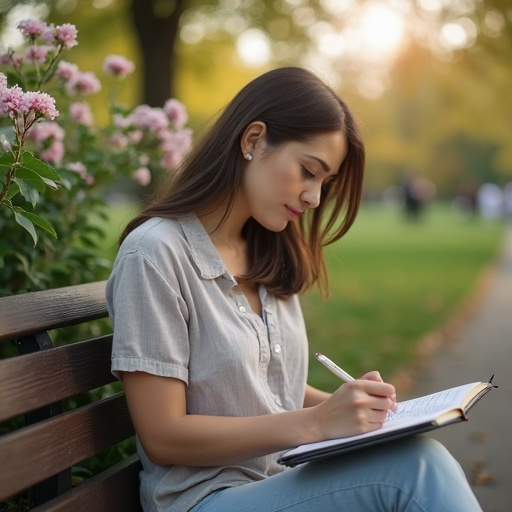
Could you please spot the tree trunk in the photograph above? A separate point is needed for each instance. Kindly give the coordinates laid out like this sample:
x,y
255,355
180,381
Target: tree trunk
x,y
157,37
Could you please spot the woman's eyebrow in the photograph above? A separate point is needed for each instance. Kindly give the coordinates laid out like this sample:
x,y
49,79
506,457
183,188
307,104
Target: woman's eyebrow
x,y
325,167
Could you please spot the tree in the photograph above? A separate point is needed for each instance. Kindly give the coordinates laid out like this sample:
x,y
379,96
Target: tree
x,y
157,26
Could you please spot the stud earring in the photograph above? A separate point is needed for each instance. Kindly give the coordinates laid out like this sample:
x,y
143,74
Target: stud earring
x,y
248,157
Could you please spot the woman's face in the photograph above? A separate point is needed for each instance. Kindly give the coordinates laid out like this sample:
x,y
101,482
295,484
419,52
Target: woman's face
x,y
280,184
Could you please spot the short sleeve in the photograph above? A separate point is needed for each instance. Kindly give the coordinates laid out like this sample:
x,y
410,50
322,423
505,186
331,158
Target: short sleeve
x,y
149,319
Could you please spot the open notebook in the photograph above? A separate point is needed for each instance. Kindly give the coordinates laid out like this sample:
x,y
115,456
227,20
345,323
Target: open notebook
x,y
411,417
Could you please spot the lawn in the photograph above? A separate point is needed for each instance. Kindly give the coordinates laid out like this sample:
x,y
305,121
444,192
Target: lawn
x,y
392,282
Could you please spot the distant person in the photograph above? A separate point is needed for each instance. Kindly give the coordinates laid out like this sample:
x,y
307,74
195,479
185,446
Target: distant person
x,y
466,201
507,200
209,337
418,191
490,201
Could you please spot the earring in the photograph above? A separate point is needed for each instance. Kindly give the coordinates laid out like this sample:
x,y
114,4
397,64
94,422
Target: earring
x,y
248,157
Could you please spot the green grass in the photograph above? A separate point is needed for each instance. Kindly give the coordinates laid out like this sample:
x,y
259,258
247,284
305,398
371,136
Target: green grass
x,y
392,282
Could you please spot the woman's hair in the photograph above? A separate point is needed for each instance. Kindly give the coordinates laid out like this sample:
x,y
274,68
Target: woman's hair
x,y
295,105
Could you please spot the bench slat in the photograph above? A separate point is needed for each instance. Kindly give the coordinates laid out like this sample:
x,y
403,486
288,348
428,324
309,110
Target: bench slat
x,y
29,313
46,448
106,492
32,381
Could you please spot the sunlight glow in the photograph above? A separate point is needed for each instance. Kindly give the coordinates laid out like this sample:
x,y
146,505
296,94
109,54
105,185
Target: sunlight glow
x,y
376,32
458,34
253,48
367,37
381,28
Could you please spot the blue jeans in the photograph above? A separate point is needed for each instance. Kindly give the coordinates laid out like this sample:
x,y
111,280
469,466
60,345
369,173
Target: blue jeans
x,y
412,475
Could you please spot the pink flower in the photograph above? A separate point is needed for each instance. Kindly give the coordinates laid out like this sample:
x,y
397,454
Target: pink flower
x,y
135,137
3,82
48,35
12,102
118,141
149,118
54,153
81,170
174,146
142,176
118,66
36,54
40,102
120,122
77,167
66,70
183,139
32,29
83,83
176,112
80,113
170,159
41,132
65,35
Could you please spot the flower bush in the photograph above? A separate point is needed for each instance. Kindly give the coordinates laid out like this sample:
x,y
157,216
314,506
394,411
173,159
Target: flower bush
x,y
57,164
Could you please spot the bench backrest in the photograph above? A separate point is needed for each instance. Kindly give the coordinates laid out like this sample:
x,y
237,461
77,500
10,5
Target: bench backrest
x,y
39,455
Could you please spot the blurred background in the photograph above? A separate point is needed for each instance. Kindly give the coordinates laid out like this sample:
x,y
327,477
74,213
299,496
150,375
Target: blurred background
x,y
430,82
428,79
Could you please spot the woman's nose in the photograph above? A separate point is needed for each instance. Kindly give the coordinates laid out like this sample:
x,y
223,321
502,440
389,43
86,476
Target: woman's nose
x,y
311,196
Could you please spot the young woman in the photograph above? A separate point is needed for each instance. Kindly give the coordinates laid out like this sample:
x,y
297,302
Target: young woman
x,y
209,338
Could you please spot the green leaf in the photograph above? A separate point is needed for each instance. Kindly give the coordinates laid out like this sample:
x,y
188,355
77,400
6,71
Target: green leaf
x,y
38,221
31,179
42,168
29,190
6,160
27,174
26,224
12,190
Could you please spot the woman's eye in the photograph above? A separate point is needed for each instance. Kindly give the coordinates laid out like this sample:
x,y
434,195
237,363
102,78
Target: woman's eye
x,y
307,173
327,185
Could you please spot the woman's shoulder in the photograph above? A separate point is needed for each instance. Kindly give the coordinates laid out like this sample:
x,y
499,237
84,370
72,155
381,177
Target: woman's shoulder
x,y
181,243
154,237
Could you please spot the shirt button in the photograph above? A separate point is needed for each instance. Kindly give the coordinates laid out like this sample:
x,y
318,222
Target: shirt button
x,y
241,309
277,348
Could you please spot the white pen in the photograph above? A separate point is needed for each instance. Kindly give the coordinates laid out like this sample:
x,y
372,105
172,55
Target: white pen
x,y
342,374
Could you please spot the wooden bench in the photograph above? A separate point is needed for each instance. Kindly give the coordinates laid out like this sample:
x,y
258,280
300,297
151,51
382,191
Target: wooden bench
x,y
37,458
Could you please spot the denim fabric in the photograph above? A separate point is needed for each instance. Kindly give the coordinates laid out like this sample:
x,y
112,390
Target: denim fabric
x,y
411,475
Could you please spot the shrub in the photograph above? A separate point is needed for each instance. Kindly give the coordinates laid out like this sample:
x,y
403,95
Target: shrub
x,y
55,165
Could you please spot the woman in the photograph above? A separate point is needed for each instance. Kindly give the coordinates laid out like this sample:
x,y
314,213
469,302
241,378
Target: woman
x,y
209,337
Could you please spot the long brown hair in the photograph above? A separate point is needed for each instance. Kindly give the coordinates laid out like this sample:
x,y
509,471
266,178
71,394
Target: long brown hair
x,y
295,105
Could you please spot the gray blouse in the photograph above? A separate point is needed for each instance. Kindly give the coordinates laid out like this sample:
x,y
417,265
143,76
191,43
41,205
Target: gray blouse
x,y
177,312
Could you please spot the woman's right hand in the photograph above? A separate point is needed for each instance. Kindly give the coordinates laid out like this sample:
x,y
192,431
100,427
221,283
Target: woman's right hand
x,y
356,407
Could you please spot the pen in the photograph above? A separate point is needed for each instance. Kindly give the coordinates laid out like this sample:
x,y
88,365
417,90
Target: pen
x,y
342,374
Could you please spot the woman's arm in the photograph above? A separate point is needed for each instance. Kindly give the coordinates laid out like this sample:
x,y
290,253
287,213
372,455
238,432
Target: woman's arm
x,y
314,396
171,436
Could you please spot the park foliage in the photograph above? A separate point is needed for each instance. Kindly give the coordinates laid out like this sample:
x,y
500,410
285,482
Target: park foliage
x,y
57,163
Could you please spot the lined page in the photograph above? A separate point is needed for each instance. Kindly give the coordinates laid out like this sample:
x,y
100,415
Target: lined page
x,y
430,404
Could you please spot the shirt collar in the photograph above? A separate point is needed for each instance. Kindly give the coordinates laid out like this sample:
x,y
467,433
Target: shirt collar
x,y
203,251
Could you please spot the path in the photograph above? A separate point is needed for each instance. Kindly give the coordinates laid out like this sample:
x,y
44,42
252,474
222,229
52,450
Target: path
x,y
483,445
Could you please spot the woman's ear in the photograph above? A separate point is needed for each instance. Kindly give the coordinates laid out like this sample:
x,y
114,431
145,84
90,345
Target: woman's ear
x,y
253,137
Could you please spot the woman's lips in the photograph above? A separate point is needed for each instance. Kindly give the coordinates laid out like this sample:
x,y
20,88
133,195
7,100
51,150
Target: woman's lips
x,y
293,213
